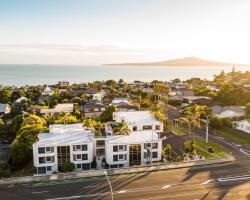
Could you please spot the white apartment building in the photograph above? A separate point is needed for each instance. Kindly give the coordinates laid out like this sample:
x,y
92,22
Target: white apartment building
x,y
71,143
63,143
243,125
139,121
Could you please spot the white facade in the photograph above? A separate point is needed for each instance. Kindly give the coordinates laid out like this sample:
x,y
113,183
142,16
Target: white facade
x,y
118,149
243,125
63,143
99,96
139,121
47,92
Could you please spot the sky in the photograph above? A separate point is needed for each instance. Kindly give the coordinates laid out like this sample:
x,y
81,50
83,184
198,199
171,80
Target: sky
x,y
111,31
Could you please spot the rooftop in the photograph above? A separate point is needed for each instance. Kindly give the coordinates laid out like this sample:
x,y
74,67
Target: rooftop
x,y
59,108
3,107
134,117
65,135
134,138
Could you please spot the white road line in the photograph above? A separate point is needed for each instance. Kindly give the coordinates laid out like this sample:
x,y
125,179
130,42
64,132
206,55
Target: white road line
x,y
206,182
40,192
166,186
236,178
122,191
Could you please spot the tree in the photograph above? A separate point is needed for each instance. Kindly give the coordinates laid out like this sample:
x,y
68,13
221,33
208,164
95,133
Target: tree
x,y
68,167
192,116
121,129
107,115
216,122
168,151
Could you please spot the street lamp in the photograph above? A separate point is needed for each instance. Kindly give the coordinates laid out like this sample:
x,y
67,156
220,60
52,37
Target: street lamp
x,y
111,189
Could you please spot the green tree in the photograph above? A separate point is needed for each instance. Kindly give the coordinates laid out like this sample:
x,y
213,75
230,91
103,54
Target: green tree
x,y
168,151
216,122
107,115
121,129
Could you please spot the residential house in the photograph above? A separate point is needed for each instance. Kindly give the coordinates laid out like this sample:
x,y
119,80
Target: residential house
x,y
228,111
124,105
243,125
59,108
47,91
92,109
4,109
139,121
99,96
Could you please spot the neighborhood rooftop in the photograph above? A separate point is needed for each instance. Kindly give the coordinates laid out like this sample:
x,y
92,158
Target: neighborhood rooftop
x,y
143,117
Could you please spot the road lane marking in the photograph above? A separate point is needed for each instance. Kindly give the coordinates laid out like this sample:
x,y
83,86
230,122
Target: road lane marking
x,y
166,186
206,182
122,191
235,178
40,192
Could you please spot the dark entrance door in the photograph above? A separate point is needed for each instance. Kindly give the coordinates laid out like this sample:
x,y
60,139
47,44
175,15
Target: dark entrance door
x,y
63,156
134,154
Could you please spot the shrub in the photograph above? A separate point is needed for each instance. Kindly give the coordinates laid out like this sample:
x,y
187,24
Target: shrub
x,y
227,122
68,167
216,122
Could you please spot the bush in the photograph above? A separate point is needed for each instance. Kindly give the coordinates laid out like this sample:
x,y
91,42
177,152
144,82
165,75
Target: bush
x,y
68,167
216,122
4,171
227,122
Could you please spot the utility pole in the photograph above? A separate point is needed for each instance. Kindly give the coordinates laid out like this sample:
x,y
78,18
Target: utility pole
x,y
207,130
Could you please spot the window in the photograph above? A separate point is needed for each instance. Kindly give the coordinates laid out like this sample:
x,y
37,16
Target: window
x,y
155,154
115,148
147,127
41,150
122,147
49,168
84,156
155,145
41,170
86,166
79,166
134,128
115,157
122,157
147,145
41,160
100,143
78,156
84,147
100,152
157,127
48,159
78,147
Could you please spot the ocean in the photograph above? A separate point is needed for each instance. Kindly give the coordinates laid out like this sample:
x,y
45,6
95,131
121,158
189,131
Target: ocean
x,y
20,75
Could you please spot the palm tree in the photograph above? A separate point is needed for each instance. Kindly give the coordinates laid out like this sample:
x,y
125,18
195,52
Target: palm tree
x,y
65,117
49,118
121,129
192,116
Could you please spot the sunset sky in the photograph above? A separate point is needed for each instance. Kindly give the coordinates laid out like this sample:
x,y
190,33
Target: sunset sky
x,y
107,31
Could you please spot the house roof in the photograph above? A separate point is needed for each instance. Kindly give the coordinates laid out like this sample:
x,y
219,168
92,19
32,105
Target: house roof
x,y
93,105
65,135
59,108
196,97
134,138
19,100
142,117
3,107
228,111
120,100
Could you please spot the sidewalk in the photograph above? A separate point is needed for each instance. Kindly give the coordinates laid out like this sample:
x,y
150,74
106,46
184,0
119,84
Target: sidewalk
x,y
93,173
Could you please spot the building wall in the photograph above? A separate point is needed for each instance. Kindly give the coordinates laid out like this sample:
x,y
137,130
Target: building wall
x,y
243,126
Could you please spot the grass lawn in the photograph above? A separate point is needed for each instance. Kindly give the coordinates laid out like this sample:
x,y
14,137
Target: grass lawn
x,y
202,149
237,136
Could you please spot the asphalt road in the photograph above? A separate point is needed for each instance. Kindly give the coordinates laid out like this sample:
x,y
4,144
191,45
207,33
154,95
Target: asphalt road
x,y
230,181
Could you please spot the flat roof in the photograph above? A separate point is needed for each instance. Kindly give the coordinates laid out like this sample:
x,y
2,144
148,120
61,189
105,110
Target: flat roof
x,y
59,108
135,137
60,135
134,117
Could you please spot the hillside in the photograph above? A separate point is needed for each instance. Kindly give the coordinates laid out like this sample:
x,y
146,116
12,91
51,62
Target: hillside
x,y
187,61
